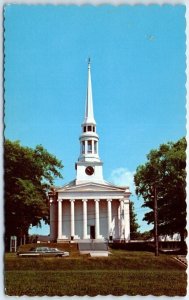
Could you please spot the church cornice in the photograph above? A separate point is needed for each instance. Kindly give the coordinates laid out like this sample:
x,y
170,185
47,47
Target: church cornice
x,y
89,134
86,163
92,187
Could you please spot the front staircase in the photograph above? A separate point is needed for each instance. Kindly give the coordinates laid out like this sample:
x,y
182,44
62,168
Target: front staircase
x,y
93,247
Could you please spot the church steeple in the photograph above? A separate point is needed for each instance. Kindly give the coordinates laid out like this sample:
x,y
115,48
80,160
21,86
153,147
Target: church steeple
x,y
89,165
89,115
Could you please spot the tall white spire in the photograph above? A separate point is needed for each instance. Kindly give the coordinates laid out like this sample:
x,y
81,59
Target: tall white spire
x,y
89,165
89,115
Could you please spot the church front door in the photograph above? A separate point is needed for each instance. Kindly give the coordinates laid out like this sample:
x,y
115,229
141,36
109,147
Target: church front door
x,y
92,232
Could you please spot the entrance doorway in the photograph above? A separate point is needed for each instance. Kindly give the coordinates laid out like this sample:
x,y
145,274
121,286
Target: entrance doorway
x,y
92,232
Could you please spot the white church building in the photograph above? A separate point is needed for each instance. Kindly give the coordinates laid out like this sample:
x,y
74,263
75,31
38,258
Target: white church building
x,y
89,207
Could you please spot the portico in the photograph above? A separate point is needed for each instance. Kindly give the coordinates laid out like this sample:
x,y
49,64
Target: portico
x,y
93,211
109,223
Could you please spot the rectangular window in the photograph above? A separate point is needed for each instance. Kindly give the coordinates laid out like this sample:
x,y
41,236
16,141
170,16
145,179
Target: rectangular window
x,y
89,147
89,128
84,129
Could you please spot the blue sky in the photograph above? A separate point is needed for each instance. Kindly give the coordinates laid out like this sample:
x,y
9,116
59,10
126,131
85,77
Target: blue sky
x,y
138,78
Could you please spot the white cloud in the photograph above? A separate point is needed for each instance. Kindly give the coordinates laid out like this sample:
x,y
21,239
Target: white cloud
x,y
123,177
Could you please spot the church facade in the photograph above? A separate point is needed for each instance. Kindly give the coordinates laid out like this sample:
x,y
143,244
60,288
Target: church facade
x,y
89,207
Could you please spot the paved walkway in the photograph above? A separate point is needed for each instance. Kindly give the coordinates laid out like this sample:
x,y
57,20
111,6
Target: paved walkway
x,y
182,259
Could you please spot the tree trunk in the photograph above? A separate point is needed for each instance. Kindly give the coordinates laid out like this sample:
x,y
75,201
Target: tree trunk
x,y
182,242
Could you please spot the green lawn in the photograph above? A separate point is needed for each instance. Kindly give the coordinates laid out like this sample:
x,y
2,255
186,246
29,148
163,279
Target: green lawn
x,y
123,272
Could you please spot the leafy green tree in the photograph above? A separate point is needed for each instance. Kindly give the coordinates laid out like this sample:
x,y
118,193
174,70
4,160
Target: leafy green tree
x,y
146,235
134,226
165,171
28,175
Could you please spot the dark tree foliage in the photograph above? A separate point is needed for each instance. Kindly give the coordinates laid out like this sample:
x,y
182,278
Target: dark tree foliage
x,y
28,175
165,170
133,222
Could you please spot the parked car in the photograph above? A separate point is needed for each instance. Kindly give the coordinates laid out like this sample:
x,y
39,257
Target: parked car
x,y
43,251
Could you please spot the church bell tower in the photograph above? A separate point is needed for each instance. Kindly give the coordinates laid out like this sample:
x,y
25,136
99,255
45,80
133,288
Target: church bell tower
x,y
89,165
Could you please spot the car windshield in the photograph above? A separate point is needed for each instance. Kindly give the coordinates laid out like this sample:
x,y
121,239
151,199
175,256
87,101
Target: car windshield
x,y
54,249
41,249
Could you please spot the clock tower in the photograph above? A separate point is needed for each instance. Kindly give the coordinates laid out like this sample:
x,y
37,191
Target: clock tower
x,y
89,165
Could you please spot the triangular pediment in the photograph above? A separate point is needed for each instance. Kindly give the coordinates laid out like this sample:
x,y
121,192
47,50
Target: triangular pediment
x,y
92,187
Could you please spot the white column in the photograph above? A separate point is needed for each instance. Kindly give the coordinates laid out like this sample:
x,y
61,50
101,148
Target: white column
x,y
81,148
92,146
119,219
72,217
59,218
127,219
122,224
109,217
97,224
84,218
86,147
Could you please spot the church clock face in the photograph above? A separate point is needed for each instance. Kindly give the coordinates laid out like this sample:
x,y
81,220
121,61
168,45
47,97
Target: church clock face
x,y
89,170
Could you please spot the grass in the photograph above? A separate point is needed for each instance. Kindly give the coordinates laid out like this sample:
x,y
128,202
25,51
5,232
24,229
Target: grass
x,y
123,272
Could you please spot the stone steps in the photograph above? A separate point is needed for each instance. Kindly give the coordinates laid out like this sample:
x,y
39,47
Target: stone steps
x,y
94,246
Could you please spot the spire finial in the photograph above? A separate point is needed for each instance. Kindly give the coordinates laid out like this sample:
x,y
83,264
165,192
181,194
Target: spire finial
x,y
89,62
